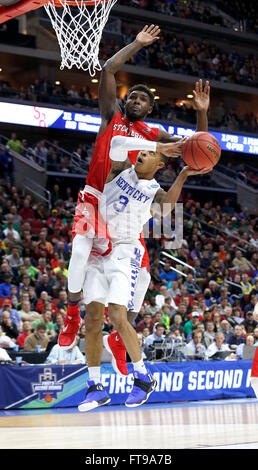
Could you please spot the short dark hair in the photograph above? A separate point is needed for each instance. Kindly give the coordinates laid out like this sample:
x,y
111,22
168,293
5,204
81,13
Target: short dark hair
x,y
41,326
164,158
145,89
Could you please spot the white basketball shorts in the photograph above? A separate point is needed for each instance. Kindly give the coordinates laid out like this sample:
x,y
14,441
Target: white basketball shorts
x,y
113,278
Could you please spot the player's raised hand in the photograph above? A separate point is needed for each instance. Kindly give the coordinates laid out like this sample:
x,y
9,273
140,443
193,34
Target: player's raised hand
x,y
148,35
171,149
202,96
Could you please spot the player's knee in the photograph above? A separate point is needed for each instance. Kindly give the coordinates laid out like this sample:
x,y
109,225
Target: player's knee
x,y
78,254
117,316
94,317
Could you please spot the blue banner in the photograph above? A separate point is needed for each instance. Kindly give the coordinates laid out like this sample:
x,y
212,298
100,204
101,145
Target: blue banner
x,y
42,386
39,116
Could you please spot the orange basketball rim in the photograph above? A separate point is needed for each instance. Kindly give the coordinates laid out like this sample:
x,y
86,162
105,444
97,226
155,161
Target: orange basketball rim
x,y
24,6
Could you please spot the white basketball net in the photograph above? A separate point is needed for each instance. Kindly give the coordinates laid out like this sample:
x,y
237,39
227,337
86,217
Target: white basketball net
x,y
79,30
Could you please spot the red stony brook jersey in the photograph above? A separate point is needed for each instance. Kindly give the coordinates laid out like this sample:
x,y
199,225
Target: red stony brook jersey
x,y
100,164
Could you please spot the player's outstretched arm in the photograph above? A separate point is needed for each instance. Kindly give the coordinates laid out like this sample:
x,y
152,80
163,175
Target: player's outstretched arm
x,y
202,103
164,202
107,87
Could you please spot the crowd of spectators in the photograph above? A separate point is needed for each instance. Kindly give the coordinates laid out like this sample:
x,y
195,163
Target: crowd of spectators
x,y
244,11
200,57
243,14
47,154
216,300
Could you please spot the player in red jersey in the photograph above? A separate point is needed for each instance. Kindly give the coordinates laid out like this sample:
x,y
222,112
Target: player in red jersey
x,y
139,105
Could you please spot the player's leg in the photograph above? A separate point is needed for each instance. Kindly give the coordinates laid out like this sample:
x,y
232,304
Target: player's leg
x,y
96,394
121,273
95,292
144,384
81,249
113,342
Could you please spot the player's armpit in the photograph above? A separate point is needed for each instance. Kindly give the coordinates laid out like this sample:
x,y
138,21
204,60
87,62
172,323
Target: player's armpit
x,y
116,168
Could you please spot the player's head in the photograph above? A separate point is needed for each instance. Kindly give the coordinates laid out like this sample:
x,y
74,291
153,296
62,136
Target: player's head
x,y
139,103
149,162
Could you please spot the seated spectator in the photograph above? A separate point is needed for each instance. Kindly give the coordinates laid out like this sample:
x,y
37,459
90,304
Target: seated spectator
x,y
14,314
249,341
217,346
177,324
191,324
45,319
160,298
61,268
245,284
249,322
192,287
165,318
253,300
227,314
45,286
5,341
59,355
152,308
183,293
145,322
62,303
31,270
37,338
236,337
14,259
145,332
8,326
27,213
14,143
26,331
224,294
24,287
157,335
167,274
174,290
27,314
5,287
194,349
209,333
241,262
226,328
182,311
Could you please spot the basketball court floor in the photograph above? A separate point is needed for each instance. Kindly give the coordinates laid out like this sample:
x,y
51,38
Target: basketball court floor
x,y
220,424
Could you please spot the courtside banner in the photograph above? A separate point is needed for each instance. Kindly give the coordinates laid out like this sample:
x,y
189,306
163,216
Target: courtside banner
x,y
44,386
39,116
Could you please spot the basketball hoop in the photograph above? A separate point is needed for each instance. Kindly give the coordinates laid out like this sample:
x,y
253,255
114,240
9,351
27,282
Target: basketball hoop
x,y
78,26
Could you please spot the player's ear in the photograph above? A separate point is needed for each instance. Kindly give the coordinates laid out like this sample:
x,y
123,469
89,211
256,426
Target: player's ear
x,y
161,164
150,110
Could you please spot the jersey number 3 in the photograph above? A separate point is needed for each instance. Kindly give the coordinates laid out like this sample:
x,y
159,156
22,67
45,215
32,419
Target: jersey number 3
x,y
120,205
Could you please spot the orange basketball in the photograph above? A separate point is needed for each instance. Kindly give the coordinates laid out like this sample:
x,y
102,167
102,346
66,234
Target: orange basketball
x,y
201,150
